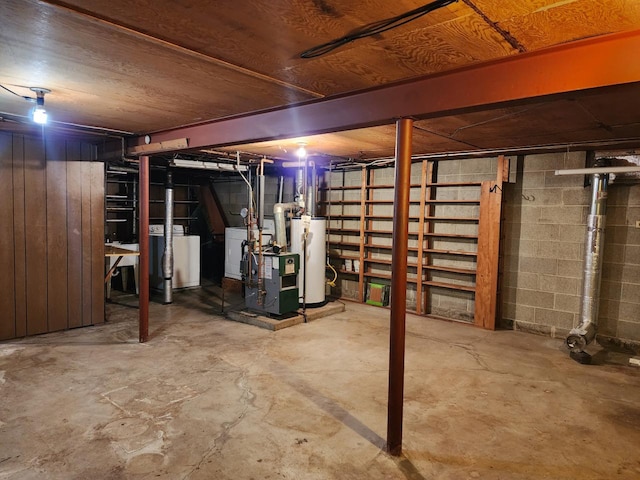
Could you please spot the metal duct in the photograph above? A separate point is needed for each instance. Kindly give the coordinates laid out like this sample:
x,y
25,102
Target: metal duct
x,y
312,192
279,220
167,256
280,188
585,332
261,187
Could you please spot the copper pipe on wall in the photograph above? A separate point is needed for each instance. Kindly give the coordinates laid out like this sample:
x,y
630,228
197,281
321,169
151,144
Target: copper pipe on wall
x,y
398,285
143,242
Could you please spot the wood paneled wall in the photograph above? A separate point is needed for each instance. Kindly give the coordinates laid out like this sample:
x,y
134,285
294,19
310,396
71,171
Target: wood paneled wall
x,y
51,235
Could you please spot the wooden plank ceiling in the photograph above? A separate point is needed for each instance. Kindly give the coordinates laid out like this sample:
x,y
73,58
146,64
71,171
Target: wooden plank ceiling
x,y
146,66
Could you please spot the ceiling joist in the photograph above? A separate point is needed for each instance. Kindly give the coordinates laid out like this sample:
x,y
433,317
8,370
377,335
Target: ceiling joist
x,y
563,70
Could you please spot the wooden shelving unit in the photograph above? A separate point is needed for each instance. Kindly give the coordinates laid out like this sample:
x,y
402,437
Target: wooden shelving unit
x,y
436,245
121,204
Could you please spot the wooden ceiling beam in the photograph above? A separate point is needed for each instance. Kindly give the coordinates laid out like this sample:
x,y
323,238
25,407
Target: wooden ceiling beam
x,y
566,69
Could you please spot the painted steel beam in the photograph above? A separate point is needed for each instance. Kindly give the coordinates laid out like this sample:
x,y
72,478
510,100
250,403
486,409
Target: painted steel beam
x,y
578,66
400,250
143,243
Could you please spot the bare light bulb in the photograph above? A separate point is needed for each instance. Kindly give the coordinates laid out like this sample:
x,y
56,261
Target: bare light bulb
x,y
40,115
301,152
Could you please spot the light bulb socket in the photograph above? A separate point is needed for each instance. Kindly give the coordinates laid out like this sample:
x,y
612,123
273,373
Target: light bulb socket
x,y
39,114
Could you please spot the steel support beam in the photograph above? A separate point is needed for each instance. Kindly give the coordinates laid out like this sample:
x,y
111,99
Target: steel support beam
x,y
583,65
400,247
143,245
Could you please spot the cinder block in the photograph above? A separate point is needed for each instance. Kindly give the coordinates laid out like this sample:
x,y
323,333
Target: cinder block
x,y
538,265
572,233
563,216
634,195
534,298
631,292
576,196
610,290
567,303
574,160
551,180
539,196
555,284
626,235
533,180
617,215
530,214
631,254
554,318
531,231
521,280
628,330
627,311
570,268
619,272
615,252
477,165
523,248
607,326
449,167
476,177
518,312
560,250
548,161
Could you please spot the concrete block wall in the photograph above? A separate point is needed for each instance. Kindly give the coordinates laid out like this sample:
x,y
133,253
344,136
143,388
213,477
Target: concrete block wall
x,y
543,247
233,195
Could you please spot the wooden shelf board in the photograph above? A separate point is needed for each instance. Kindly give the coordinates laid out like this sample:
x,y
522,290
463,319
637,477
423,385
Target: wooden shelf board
x,y
450,235
461,271
344,244
451,252
452,219
454,184
450,286
468,202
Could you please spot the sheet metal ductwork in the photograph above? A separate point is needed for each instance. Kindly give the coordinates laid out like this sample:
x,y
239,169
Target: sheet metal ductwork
x,y
585,332
167,256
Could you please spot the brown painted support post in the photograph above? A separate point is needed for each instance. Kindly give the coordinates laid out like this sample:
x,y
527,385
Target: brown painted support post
x,y
143,242
487,269
399,284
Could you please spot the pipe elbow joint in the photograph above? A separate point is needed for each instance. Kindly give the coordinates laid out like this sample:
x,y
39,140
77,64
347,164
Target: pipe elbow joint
x,y
579,338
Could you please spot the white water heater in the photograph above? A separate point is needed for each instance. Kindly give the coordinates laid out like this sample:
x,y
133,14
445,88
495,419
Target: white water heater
x,y
313,264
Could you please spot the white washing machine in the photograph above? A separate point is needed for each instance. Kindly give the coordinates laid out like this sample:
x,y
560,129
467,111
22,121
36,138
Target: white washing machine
x,y
186,258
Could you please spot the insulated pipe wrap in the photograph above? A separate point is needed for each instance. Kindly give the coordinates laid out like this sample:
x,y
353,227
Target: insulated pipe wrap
x,y
167,256
279,220
585,331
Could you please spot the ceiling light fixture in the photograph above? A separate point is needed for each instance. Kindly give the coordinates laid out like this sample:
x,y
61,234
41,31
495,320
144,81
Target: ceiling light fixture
x,y
301,152
39,114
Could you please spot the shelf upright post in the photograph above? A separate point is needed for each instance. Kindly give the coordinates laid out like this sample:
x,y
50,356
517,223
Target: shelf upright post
x,y
419,259
363,240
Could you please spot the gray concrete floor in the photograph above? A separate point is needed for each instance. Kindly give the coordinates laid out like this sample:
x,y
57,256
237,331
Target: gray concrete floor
x,y
208,398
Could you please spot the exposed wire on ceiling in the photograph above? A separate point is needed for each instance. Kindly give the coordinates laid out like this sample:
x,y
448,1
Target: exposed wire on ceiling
x,y
24,97
375,28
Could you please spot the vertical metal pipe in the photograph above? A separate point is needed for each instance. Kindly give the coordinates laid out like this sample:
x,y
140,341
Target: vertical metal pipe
x,y
261,200
280,188
167,254
313,191
585,332
398,285
143,241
